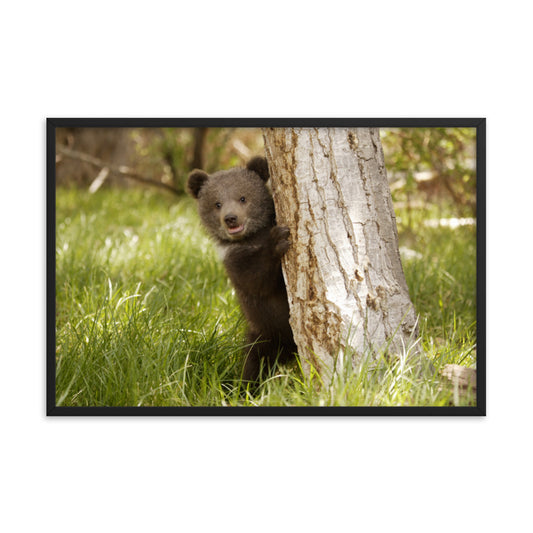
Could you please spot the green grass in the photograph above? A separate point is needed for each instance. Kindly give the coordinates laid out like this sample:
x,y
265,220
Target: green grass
x,y
145,314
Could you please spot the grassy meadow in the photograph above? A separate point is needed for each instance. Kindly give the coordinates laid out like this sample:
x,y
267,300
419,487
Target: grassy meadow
x,y
145,315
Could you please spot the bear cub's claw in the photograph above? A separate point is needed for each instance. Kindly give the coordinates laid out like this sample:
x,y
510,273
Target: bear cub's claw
x,y
280,239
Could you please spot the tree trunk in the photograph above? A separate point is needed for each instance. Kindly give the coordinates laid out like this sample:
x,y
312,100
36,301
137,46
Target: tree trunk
x,y
198,157
346,286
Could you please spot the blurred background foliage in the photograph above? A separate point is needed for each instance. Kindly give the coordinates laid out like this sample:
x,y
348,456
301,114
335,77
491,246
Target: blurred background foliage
x,y
432,166
428,168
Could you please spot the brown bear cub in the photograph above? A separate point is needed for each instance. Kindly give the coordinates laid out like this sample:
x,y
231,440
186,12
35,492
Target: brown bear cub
x,y
237,210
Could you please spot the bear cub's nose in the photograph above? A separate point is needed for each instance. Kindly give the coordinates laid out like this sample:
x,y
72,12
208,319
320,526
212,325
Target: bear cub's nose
x,y
231,221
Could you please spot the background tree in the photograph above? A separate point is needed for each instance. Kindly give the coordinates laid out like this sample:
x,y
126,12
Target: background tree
x,y
347,290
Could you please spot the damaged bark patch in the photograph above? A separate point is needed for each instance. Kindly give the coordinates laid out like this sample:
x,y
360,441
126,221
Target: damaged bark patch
x,y
353,141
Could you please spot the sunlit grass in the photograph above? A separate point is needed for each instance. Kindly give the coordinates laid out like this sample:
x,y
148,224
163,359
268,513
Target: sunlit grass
x,y
146,316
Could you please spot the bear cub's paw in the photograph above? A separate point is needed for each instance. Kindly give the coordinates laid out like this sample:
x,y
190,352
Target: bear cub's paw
x,y
279,236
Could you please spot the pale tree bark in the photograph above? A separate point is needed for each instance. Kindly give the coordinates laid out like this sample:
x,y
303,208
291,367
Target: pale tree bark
x,y
345,282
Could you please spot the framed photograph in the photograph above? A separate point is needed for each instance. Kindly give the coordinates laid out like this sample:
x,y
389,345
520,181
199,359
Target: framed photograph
x,y
251,267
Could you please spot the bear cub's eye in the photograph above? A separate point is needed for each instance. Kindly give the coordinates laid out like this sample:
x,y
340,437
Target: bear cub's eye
x,y
243,199
218,205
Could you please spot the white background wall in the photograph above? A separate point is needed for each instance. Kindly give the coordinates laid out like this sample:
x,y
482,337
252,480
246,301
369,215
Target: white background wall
x,y
239,59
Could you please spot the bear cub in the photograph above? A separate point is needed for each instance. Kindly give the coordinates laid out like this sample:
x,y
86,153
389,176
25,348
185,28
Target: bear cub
x,y
237,210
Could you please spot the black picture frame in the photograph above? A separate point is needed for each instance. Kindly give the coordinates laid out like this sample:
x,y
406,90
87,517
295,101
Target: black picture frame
x,y
478,123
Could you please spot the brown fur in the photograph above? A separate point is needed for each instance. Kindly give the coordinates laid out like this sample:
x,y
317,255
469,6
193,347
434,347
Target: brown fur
x,y
237,210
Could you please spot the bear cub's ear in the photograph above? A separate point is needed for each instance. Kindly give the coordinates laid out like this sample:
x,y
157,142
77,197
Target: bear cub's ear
x,y
196,181
259,165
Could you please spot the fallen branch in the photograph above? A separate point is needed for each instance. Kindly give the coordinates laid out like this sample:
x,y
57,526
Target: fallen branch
x,y
121,170
99,180
460,380
461,376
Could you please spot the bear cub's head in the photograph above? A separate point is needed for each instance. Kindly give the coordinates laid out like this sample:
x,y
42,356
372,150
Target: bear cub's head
x,y
234,204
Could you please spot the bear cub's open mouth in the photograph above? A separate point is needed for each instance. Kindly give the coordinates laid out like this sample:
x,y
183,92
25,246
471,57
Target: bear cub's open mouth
x,y
236,229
